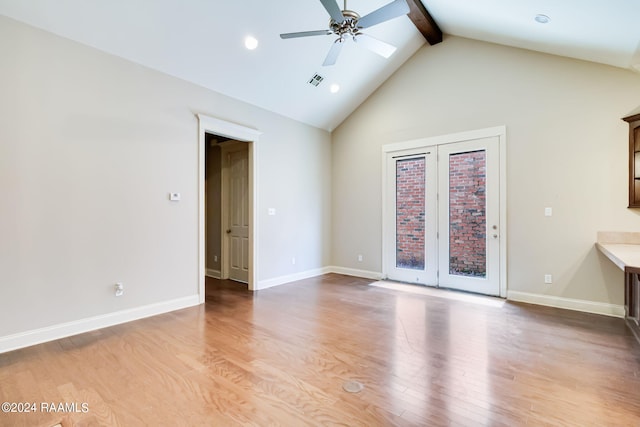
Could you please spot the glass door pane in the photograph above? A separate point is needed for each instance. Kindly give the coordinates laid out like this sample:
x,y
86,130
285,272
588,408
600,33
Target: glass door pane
x,y
410,213
468,214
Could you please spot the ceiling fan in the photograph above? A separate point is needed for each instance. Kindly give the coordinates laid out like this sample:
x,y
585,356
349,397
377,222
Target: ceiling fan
x,y
347,24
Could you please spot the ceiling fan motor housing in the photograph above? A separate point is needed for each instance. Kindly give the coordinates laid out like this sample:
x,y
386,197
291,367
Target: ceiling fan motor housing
x,y
347,27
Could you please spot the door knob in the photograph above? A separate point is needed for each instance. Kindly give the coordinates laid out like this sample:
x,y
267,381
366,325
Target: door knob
x,y
228,231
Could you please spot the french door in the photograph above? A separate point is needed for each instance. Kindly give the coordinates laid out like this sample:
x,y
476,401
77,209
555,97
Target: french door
x,y
442,215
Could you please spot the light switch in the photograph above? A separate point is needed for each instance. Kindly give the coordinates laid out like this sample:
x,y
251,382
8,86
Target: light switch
x,y
174,197
548,212
272,211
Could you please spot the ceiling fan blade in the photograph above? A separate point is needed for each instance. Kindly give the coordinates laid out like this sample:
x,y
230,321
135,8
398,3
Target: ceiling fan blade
x,y
305,34
385,13
374,45
332,56
333,9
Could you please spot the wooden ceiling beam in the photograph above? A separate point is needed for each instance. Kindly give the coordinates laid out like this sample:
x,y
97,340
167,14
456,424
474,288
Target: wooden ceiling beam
x,y
424,22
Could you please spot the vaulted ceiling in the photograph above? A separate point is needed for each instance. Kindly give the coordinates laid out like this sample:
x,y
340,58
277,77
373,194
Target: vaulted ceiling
x,y
202,41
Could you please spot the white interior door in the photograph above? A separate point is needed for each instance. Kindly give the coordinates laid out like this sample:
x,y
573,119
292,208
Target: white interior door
x,y
238,214
411,198
442,215
469,216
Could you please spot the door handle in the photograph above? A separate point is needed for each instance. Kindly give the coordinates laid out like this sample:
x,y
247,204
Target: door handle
x,y
228,231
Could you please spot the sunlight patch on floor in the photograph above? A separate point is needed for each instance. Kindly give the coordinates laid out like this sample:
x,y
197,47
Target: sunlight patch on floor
x,y
440,293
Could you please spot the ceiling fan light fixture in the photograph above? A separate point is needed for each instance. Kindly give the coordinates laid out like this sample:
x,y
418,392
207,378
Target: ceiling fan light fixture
x,y
542,19
250,42
348,24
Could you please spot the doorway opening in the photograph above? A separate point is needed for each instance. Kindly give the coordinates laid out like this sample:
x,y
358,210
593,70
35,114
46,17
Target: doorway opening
x,y
227,208
227,157
444,212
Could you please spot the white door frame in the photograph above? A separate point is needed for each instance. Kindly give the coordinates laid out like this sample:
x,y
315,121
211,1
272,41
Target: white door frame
x,y
500,132
207,124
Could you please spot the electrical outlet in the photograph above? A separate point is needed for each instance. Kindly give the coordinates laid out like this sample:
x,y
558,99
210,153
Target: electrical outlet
x,y
359,258
548,279
293,261
215,258
119,288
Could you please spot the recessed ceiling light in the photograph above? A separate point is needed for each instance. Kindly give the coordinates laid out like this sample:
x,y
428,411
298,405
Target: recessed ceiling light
x,y
542,19
334,88
250,42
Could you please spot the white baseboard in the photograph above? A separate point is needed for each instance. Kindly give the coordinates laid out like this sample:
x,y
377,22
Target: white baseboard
x,y
281,280
63,330
568,303
374,275
216,274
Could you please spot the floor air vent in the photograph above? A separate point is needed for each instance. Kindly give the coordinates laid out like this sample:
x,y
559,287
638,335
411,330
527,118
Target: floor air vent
x,y
353,386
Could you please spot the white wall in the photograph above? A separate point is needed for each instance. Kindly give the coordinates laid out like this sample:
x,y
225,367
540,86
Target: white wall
x,y
90,147
300,191
567,149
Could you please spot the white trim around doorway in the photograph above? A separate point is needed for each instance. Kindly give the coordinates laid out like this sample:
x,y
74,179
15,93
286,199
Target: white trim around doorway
x,y
207,124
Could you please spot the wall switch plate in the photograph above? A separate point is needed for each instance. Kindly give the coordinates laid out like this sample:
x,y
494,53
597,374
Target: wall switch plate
x,y
119,288
548,211
174,197
272,211
548,279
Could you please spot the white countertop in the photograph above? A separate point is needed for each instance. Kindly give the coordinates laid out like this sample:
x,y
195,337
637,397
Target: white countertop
x,y
622,255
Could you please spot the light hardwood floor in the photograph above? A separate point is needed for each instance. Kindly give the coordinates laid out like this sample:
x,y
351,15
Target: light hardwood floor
x,y
281,356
